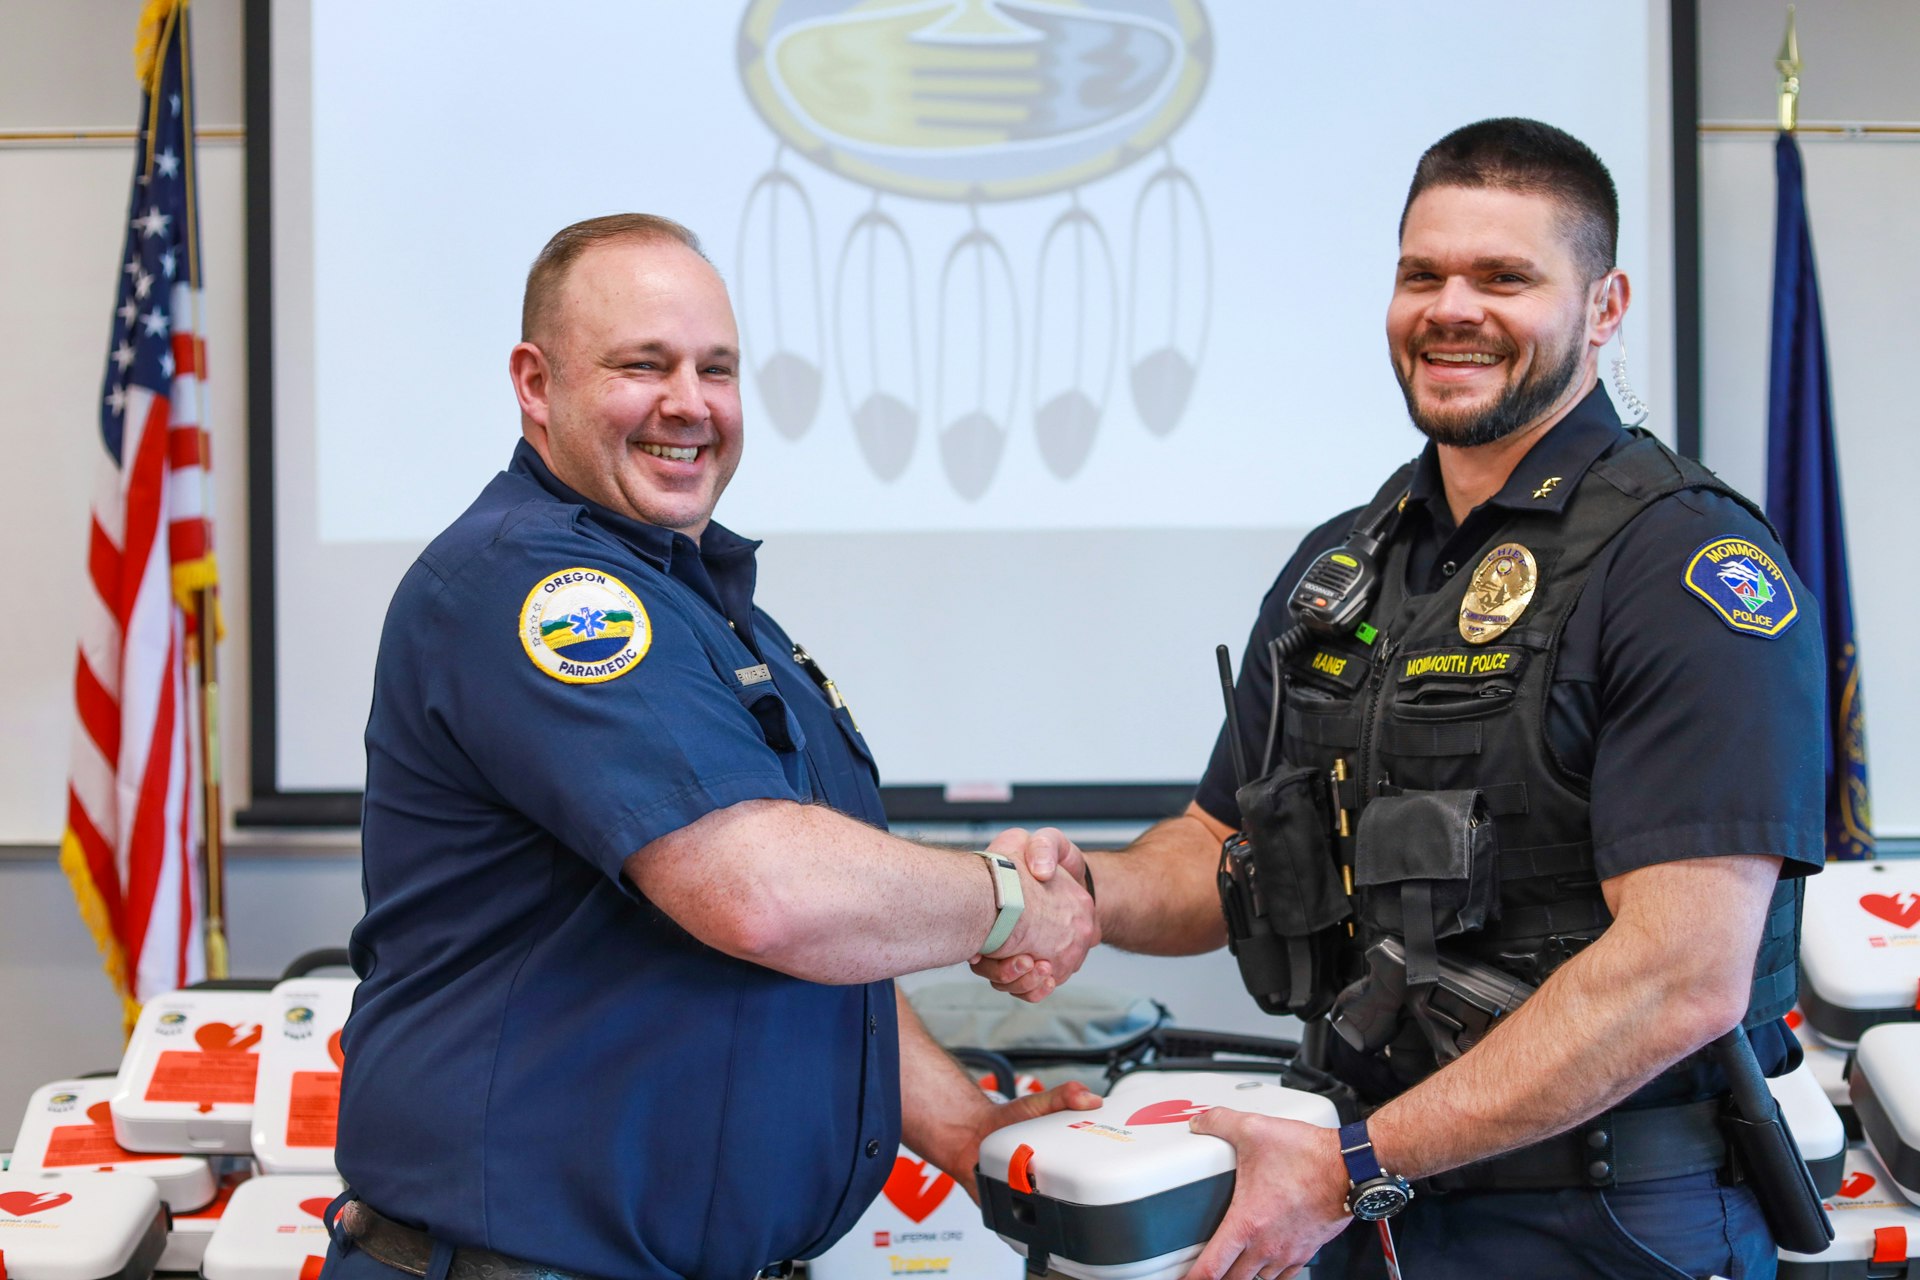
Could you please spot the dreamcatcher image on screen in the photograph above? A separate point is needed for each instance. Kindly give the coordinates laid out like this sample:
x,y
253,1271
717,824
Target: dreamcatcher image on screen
x,y
980,104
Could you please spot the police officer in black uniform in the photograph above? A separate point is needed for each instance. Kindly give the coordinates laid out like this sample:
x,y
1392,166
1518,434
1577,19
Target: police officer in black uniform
x,y
632,912
1572,749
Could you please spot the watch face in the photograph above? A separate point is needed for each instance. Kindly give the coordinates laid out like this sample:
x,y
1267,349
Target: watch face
x,y
1380,1200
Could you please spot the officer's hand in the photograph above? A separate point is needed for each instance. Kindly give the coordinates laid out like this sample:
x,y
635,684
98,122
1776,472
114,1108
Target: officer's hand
x,y
1042,851
1056,930
1289,1196
1072,1096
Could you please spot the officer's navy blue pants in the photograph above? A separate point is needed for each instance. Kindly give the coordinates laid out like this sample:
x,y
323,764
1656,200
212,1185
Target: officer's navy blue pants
x,y
1661,1230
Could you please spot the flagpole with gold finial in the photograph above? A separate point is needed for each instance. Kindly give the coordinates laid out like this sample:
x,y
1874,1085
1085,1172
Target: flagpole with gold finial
x,y
1789,65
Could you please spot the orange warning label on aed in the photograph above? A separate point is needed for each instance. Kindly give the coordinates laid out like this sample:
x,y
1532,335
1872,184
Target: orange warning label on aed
x,y
88,1144
185,1076
313,1110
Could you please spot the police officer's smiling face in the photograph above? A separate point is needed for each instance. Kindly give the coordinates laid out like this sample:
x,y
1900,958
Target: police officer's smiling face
x,y
635,401
1493,326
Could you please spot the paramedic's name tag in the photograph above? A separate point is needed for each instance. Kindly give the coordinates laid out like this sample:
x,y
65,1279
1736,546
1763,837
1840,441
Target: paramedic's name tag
x,y
750,676
1502,588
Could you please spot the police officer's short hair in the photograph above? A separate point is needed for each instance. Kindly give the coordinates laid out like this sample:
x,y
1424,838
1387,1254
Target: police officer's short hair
x,y
549,270
1512,154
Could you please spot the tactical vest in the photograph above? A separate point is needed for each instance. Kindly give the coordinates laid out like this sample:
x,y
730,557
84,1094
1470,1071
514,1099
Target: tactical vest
x,y
1420,710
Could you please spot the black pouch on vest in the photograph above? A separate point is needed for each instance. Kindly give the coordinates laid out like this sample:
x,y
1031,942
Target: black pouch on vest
x,y
1425,868
1280,890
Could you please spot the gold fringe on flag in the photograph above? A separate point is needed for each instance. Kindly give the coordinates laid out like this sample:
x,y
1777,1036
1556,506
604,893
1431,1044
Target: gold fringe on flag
x,y
148,37
93,911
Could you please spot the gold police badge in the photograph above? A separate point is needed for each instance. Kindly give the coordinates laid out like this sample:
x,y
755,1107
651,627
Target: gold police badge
x,y
1499,593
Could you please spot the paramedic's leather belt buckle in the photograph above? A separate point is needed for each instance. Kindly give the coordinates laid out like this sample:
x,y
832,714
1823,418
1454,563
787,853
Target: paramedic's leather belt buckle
x,y
408,1250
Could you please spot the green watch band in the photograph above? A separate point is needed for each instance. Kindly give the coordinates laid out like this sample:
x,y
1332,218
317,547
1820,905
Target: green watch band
x,y
1009,900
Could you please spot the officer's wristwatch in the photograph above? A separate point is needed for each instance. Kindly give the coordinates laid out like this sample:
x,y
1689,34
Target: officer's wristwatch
x,y
1009,900
1374,1195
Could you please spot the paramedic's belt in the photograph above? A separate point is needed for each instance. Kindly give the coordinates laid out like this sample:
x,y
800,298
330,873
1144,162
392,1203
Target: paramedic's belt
x,y
406,1249
1614,1147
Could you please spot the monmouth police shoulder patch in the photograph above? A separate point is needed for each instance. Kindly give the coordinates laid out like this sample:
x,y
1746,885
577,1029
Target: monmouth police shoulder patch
x,y
584,626
1744,585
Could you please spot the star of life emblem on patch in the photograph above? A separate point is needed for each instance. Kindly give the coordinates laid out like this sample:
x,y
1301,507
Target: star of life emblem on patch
x,y
1743,585
584,626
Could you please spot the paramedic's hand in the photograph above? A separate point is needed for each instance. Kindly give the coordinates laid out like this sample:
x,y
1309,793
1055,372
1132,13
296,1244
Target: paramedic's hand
x,y
1289,1196
1028,976
1071,1096
1056,930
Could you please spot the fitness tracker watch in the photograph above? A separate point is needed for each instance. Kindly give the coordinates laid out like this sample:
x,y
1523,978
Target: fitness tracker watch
x,y
1375,1195
1009,900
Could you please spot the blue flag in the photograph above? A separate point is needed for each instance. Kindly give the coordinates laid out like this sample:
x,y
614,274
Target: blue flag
x,y
1803,499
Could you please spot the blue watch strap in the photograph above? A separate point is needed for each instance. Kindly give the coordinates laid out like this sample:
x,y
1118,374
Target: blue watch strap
x,y
1356,1148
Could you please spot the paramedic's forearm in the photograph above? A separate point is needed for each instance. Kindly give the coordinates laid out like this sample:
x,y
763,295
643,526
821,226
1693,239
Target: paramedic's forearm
x,y
810,892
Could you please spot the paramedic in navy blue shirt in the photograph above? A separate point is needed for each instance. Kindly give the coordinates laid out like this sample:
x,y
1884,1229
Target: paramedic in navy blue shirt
x,y
1694,731
632,915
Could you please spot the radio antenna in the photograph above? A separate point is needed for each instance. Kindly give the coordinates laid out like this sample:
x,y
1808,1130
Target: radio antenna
x,y
1225,661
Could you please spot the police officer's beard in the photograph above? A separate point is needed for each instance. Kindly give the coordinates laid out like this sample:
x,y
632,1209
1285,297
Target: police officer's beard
x,y
1521,403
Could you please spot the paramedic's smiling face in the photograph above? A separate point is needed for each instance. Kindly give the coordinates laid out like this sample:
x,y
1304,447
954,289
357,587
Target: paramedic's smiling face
x,y
1492,327
633,398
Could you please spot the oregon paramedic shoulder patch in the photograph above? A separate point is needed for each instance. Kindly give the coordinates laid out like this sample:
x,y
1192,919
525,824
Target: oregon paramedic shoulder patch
x,y
1744,586
584,626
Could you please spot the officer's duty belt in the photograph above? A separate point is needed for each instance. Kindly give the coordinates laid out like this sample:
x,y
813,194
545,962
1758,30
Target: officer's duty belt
x,y
411,1250
1614,1147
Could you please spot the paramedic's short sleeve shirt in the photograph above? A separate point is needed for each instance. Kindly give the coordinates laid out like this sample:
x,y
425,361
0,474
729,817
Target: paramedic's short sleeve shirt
x,y
540,1061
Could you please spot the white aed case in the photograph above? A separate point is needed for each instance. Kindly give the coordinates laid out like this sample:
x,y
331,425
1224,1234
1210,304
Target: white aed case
x,y
1860,947
1815,1125
296,1105
1829,1066
1875,1232
1127,1192
188,1234
1886,1096
186,1082
271,1228
83,1226
67,1129
922,1223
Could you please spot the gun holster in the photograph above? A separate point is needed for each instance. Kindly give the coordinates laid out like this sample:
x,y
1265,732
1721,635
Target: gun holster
x,y
1280,892
1425,869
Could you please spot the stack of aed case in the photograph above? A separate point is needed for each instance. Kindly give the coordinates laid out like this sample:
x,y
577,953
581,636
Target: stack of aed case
x,y
210,1152
1860,984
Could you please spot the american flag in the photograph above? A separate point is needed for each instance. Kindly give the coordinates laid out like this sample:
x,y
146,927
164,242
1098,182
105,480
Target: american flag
x,y
133,804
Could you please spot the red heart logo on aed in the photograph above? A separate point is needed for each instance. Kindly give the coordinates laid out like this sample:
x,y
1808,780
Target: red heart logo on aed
x,y
99,1114
1856,1185
1889,908
317,1206
334,1050
1172,1111
22,1203
219,1037
913,1191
